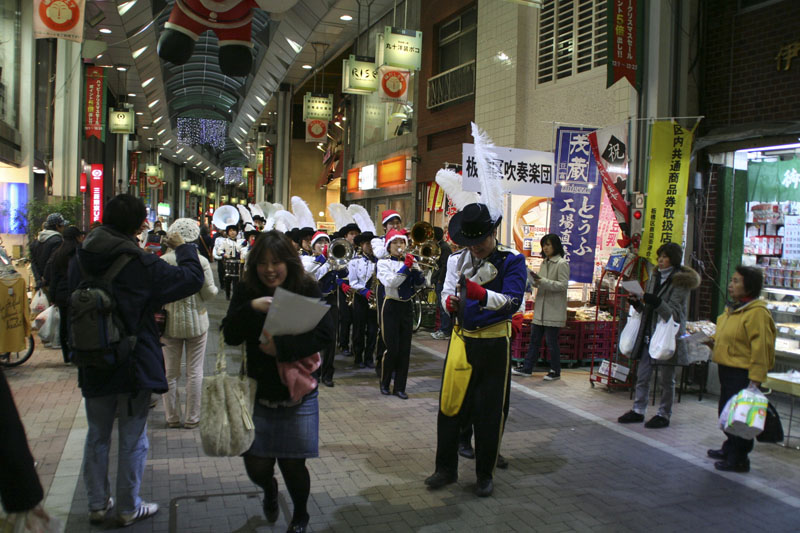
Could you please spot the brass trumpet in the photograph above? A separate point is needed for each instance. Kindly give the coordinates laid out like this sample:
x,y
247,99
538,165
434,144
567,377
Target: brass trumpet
x,y
340,252
425,248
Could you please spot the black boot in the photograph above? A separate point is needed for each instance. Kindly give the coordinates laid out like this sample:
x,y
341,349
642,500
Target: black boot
x,y
235,60
175,47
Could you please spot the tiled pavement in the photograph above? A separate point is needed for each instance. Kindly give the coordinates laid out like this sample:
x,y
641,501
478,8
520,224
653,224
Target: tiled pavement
x,y
573,468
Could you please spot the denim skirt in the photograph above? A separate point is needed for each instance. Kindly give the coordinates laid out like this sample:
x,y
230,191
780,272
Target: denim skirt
x,y
287,432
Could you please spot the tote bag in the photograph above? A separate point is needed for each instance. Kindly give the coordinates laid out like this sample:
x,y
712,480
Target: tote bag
x,y
662,343
226,409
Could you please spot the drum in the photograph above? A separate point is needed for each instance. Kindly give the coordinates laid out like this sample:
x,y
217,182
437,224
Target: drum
x,y
232,268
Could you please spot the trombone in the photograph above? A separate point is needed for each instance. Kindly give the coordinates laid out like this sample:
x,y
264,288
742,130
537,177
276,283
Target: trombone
x,y
425,249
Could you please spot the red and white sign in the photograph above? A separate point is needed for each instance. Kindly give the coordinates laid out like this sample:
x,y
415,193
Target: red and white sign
x,y
83,181
394,84
96,188
62,19
316,130
153,182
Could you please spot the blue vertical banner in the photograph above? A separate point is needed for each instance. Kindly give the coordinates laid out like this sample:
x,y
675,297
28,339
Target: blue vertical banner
x,y
576,205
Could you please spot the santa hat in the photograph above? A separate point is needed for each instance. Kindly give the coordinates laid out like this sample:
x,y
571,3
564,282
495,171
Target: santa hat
x,y
389,214
396,234
317,236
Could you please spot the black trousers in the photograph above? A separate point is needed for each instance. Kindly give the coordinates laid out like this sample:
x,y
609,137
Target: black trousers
x,y
465,437
63,332
731,381
485,405
365,330
345,320
326,370
397,330
380,347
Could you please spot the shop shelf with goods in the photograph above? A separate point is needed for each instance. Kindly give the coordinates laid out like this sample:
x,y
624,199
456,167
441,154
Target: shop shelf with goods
x,y
599,339
784,304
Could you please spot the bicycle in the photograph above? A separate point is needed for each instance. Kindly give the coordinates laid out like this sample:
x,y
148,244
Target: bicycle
x,y
11,359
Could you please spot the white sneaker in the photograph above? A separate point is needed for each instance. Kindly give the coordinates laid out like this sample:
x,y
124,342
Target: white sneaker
x,y
438,335
145,510
99,516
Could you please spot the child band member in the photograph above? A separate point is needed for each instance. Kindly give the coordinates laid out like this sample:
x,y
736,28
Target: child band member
x,y
365,318
227,247
399,278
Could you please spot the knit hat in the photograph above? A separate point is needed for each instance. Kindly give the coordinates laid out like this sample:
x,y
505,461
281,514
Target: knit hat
x,y
186,228
54,220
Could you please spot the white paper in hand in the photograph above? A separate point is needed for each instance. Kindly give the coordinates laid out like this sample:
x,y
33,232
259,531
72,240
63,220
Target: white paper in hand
x,y
293,314
633,287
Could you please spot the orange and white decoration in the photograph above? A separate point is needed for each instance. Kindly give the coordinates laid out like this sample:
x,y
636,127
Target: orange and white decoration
x,y
62,19
393,84
316,130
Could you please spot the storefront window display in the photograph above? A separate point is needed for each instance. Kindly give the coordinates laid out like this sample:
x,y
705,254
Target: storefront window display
x,y
381,121
10,21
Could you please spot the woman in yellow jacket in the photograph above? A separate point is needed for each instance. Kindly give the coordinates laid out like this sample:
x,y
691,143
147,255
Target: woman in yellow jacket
x,y
744,350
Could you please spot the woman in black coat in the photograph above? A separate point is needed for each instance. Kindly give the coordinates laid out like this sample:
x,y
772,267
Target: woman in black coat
x,y
287,431
56,275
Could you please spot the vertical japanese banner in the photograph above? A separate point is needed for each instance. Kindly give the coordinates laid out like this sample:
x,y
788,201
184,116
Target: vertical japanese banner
x,y
142,184
94,121
251,184
576,205
667,185
608,232
268,158
96,188
610,150
134,166
625,24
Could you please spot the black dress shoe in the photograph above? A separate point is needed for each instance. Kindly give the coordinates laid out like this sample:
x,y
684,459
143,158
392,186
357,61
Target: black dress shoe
x,y
271,507
716,454
297,528
385,391
501,462
440,479
466,451
484,488
327,382
630,417
657,422
725,466
401,394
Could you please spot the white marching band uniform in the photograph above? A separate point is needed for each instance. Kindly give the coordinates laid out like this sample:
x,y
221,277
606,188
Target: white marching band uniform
x,y
225,248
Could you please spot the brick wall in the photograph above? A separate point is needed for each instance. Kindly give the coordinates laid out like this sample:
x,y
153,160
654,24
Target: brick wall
x,y
441,132
757,91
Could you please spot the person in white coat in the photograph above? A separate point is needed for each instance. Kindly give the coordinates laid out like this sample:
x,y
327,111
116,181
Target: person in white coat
x,y
186,328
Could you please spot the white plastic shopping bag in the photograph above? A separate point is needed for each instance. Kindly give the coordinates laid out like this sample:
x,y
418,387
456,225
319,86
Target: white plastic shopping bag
x,y
662,343
39,303
627,339
745,413
48,332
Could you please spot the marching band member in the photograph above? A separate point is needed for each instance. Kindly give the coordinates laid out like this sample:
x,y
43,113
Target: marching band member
x,y
227,247
305,225
399,280
346,228
365,320
391,220
484,286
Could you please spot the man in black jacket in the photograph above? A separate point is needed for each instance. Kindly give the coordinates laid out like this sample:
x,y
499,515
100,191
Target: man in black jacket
x,y
47,242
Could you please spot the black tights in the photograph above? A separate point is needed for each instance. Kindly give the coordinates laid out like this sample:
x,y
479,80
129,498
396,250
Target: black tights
x,y
260,470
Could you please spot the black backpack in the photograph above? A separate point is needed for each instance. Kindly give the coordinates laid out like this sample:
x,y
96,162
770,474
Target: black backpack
x,y
98,335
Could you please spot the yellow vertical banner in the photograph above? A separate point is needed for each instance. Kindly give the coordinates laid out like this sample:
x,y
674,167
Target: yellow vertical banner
x,y
667,185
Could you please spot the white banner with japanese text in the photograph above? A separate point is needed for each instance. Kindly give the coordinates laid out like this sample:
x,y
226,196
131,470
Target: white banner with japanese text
x,y
526,172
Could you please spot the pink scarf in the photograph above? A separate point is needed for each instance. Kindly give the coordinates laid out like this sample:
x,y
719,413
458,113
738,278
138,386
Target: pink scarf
x,y
297,375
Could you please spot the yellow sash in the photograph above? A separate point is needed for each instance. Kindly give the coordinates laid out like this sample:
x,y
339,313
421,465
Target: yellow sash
x,y
457,371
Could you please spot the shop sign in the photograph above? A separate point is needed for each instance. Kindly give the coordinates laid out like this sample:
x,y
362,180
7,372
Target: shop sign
x,y
359,75
786,53
394,84
94,120
269,155
402,48
83,181
624,28
610,151
526,172
667,184
366,178
96,187
318,106
120,121
163,209
153,179
60,19
316,130
251,183
576,204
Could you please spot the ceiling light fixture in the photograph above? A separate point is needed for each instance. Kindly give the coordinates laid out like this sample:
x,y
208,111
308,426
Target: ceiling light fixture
x,y
346,18
179,151
167,142
122,69
296,47
162,131
157,120
124,7
261,100
149,138
145,83
131,94
190,157
307,67
251,117
145,127
243,130
104,30
153,103
139,52
139,113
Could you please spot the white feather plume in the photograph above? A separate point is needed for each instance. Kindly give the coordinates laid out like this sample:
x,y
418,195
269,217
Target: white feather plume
x,y
279,207
488,174
451,182
255,209
247,218
301,210
340,216
362,218
269,214
285,221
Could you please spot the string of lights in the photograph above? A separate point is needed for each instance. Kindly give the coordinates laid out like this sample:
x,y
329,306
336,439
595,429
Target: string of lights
x,y
194,131
233,175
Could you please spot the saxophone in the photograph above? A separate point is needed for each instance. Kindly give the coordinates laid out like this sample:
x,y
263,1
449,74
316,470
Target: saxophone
x,y
372,301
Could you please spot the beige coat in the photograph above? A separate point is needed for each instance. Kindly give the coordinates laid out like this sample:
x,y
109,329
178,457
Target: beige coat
x,y
188,318
550,309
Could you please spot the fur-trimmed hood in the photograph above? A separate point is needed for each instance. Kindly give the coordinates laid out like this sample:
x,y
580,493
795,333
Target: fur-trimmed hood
x,y
686,277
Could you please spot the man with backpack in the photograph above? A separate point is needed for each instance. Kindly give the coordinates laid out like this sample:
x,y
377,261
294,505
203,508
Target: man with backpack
x,y
115,289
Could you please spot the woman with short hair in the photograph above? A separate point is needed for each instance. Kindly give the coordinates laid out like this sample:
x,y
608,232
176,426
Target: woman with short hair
x,y
287,431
